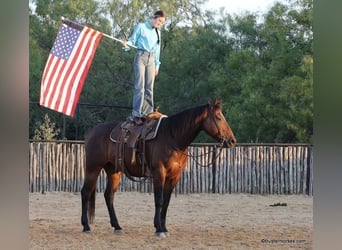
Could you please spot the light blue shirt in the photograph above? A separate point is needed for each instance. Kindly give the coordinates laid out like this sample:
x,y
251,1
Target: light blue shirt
x,y
145,38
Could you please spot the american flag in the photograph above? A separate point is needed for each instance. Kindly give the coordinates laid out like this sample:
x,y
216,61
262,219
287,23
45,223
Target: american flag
x,y
67,67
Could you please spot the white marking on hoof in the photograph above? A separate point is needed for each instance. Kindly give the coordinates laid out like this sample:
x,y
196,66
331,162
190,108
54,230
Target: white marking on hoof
x,y
160,235
118,232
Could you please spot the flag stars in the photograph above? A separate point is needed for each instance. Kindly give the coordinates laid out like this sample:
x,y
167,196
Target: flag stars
x,y
65,42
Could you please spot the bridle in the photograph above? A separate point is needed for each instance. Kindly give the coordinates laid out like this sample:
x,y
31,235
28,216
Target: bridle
x,y
212,116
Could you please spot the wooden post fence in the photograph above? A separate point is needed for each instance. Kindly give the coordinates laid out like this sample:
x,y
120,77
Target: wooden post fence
x,y
246,168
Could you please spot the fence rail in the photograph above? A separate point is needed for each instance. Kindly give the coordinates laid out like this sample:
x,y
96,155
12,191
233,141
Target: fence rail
x,y
246,168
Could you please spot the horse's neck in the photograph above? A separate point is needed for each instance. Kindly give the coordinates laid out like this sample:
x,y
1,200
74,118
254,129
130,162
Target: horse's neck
x,y
185,133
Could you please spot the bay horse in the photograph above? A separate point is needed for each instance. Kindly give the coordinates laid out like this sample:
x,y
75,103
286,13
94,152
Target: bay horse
x,y
166,156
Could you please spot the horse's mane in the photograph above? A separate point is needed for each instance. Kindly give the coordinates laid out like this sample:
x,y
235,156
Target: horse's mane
x,y
180,122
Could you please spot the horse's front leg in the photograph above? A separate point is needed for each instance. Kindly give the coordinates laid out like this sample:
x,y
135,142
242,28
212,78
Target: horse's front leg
x,y
158,201
168,188
113,182
158,185
166,201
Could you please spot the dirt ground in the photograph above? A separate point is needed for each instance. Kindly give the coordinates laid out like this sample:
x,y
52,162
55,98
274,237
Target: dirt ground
x,y
195,221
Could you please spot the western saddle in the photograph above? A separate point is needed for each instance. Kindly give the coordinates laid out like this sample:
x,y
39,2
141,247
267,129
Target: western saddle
x,y
127,134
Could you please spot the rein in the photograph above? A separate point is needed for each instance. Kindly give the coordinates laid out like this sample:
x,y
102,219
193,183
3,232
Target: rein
x,y
210,163
194,157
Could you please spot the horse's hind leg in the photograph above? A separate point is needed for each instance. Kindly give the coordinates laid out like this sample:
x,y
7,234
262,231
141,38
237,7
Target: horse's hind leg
x,y
113,182
88,199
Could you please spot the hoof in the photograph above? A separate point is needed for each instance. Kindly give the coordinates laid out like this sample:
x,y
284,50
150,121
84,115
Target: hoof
x,y
160,234
167,234
118,231
86,228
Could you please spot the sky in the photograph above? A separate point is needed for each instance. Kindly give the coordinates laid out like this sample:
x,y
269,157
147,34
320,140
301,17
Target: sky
x,y
240,6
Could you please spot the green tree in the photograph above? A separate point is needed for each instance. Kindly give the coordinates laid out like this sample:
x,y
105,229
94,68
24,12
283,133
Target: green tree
x,y
260,66
268,66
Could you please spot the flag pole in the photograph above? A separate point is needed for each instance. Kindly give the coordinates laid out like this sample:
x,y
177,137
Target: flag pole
x,y
116,39
111,37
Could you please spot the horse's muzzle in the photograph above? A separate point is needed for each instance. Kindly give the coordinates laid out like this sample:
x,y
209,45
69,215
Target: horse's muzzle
x,y
228,143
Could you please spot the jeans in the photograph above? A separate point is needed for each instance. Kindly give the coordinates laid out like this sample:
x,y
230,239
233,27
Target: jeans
x,y
144,75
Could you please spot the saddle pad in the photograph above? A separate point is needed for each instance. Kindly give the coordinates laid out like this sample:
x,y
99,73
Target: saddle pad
x,y
151,129
147,132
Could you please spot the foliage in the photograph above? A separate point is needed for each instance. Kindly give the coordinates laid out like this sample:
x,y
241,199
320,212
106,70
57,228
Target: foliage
x,y
261,66
46,130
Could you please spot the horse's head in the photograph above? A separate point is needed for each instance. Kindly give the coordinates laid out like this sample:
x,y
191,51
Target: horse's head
x,y
217,126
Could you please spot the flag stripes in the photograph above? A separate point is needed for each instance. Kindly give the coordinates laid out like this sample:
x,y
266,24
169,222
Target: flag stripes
x,y
67,67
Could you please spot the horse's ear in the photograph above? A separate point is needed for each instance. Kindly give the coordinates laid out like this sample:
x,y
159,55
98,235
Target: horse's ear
x,y
216,103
